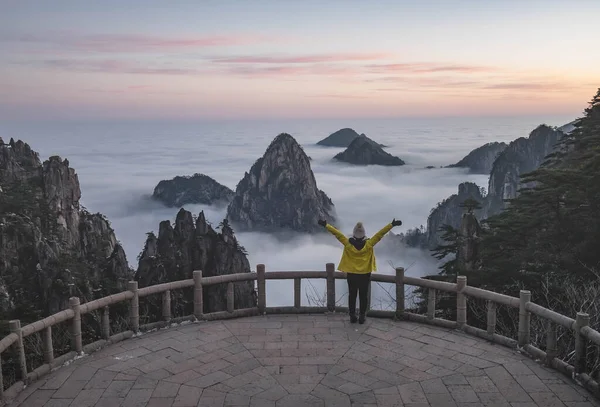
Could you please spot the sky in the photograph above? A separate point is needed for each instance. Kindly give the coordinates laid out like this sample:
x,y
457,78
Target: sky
x,y
156,59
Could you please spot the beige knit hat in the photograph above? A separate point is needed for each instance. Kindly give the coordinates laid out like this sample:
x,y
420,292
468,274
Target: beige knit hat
x,y
359,231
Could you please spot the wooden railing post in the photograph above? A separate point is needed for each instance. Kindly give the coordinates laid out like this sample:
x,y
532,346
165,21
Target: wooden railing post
x,y
262,294
400,292
297,292
491,317
461,301
431,304
106,323
15,327
582,320
134,307
198,297
230,303
330,269
48,348
166,306
551,348
76,325
524,317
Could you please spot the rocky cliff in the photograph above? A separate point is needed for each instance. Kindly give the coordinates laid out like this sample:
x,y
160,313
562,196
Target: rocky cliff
x,y
520,157
362,152
449,212
481,160
194,245
50,247
197,189
343,138
280,192
469,238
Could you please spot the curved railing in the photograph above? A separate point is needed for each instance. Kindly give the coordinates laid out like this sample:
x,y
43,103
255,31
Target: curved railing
x,y
579,326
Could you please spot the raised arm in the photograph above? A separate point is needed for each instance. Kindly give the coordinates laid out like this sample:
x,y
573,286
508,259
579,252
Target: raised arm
x,y
338,235
379,235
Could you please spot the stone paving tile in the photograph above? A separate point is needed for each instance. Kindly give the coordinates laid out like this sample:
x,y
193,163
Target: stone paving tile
x,y
493,399
88,398
70,389
546,399
440,400
412,393
58,403
463,394
109,402
166,389
137,398
434,386
482,384
566,393
38,398
57,380
187,396
162,402
305,360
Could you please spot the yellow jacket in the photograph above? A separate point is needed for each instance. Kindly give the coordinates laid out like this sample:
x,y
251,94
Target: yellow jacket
x,y
358,261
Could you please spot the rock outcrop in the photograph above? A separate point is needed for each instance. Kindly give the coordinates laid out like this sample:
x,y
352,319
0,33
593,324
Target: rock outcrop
x,y
450,212
343,138
194,245
567,128
481,160
197,189
50,247
363,152
280,192
520,157
469,238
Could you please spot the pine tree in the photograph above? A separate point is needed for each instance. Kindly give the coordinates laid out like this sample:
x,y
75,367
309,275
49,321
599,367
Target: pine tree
x,y
552,229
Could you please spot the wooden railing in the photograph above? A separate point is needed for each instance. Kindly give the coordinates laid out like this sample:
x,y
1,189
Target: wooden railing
x,y
579,326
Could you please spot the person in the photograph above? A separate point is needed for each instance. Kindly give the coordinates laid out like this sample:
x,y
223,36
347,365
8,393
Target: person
x,y
358,261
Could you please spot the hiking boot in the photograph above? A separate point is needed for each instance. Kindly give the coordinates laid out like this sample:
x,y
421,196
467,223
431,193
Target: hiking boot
x,y
353,319
362,319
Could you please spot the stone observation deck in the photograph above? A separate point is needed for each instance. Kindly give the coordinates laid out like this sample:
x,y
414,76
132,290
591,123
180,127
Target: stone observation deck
x,y
304,360
304,356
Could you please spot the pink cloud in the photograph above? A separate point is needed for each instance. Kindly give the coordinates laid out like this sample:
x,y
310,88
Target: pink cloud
x,y
314,69
506,84
302,59
115,67
550,86
337,96
118,43
427,67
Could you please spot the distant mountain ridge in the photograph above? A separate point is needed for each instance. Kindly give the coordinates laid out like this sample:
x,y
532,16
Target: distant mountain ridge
x,y
363,152
343,138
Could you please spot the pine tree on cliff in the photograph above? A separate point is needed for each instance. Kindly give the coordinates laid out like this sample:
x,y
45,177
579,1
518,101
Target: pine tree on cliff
x,y
550,233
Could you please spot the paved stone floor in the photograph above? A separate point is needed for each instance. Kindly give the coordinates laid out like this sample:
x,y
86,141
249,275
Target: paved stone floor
x,y
312,360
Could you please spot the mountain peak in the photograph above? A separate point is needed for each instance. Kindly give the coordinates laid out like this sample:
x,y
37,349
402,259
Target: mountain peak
x,y
280,192
364,151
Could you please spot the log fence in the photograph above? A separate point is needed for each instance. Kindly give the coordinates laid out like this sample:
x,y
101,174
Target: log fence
x,y
579,326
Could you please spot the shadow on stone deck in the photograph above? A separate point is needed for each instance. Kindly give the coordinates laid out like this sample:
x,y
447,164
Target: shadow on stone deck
x,y
304,360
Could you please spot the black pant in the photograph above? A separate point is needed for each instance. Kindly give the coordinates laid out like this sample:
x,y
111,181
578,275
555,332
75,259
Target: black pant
x,y
358,283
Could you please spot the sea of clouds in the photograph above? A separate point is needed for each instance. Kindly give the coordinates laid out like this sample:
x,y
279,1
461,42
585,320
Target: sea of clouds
x,y
120,163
